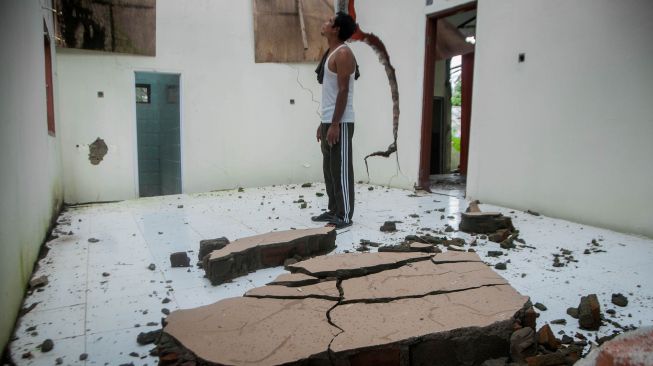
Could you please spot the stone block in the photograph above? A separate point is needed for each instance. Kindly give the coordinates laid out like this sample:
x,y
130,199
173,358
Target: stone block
x,y
267,250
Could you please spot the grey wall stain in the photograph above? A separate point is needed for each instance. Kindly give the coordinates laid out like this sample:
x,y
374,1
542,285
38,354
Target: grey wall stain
x,y
97,150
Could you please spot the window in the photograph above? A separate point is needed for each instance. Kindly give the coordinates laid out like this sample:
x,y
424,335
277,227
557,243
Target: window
x,y
143,93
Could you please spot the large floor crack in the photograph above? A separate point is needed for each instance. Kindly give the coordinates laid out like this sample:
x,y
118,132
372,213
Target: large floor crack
x,y
381,300
341,301
360,272
328,315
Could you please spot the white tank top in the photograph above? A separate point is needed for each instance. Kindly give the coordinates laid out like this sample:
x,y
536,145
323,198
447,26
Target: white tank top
x,y
330,93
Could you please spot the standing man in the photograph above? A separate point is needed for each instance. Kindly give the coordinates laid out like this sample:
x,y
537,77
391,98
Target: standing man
x,y
337,126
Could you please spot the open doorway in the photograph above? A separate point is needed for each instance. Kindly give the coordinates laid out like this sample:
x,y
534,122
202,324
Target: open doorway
x,y
158,134
446,113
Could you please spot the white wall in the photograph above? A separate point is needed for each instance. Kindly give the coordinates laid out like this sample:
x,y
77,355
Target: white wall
x,y
238,127
30,182
568,132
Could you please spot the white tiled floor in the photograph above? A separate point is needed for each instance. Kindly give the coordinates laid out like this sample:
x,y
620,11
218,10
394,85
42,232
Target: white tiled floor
x,y
86,312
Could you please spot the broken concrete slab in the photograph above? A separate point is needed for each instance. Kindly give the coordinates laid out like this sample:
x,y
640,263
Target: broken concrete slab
x,y
419,279
355,264
484,222
322,290
267,250
209,245
294,280
461,325
252,331
477,324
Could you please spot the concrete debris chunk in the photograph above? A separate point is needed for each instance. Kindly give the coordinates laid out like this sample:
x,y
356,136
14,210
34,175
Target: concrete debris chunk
x,y
589,312
38,281
499,235
546,338
539,306
366,309
389,227
501,266
47,345
209,245
473,206
410,247
619,300
267,250
572,312
523,343
179,259
484,222
145,338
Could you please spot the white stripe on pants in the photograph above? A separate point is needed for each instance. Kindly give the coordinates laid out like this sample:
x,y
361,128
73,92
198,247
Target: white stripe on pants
x,y
344,166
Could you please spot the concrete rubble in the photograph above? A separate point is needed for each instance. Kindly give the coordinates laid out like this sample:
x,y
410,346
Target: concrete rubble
x,y
179,259
208,246
387,308
246,255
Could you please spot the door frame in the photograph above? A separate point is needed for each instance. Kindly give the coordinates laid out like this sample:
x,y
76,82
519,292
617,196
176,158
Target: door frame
x,y
424,181
137,193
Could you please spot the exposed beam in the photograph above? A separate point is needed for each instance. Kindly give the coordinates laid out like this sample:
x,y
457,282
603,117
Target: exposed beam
x,y
302,25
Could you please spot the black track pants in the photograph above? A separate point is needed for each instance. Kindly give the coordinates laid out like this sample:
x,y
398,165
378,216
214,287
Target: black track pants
x,y
339,171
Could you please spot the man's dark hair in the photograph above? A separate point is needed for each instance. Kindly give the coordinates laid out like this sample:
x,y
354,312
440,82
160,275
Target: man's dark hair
x,y
346,24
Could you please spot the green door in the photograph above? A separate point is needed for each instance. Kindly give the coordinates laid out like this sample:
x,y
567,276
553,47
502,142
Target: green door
x,y
157,120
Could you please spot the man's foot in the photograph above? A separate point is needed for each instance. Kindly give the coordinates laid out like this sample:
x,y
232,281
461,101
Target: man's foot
x,y
339,223
324,217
